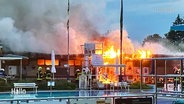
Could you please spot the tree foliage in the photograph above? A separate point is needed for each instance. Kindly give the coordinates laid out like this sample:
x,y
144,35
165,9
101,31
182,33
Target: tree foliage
x,y
178,20
174,36
155,38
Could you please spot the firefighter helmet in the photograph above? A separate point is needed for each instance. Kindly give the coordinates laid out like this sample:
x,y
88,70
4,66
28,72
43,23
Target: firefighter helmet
x,y
39,68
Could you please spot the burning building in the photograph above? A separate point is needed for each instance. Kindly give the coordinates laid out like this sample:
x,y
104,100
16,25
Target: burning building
x,y
107,46
33,32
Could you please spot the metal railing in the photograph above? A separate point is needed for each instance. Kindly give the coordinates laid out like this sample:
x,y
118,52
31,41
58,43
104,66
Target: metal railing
x,y
69,99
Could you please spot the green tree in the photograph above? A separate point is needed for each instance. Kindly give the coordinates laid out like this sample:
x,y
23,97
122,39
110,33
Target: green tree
x,y
155,38
178,20
176,38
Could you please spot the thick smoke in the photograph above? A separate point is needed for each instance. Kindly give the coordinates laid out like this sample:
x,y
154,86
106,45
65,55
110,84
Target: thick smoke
x,y
40,26
159,48
130,47
114,40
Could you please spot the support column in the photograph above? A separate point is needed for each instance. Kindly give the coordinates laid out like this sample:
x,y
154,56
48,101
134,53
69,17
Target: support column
x,y
21,69
141,75
181,78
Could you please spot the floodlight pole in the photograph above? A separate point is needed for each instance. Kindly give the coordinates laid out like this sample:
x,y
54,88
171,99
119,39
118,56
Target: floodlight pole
x,y
68,29
121,39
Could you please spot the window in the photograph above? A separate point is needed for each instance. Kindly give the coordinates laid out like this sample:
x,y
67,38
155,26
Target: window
x,y
71,62
49,62
77,62
46,62
40,61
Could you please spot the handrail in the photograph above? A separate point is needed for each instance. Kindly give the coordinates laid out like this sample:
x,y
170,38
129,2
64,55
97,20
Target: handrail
x,y
78,97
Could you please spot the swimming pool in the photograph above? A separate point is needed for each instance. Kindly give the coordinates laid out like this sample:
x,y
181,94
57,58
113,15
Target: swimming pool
x,y
67,96
48,94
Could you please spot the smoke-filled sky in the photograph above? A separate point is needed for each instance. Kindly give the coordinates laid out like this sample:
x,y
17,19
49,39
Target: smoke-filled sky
x,y
40,25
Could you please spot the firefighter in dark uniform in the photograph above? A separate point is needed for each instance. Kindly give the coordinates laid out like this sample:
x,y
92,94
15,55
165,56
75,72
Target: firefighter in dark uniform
x,y
39,74
77,74
48,74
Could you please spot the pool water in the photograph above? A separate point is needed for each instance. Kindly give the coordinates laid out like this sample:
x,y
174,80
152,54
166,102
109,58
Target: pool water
x,y
57,94
47,94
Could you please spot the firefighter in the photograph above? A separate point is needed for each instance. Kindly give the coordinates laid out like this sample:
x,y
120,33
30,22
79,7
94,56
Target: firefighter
x,y
77,74
48,74
39,74
2,73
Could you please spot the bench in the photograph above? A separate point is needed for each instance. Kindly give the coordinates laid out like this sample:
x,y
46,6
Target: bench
x,y
18,86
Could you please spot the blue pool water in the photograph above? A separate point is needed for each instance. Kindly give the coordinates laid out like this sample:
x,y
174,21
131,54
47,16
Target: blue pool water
x,y
47,94
52,94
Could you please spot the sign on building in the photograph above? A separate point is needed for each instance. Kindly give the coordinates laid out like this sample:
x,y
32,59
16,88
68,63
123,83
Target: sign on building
x,y
12,70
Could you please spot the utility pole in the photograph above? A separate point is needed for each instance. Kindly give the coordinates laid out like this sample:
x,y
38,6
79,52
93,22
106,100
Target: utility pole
x,y
121,38
68,50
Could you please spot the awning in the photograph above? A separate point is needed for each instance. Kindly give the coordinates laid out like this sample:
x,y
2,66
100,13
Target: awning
x,y
13,57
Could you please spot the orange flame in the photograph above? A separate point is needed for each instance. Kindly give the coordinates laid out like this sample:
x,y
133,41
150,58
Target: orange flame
x,y
110,53
142,54
108,75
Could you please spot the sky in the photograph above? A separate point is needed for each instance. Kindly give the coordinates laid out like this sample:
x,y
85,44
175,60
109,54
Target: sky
x,y
40,25
147,17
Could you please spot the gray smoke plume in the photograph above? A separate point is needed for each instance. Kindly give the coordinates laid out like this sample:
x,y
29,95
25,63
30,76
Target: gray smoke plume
x,y
40,26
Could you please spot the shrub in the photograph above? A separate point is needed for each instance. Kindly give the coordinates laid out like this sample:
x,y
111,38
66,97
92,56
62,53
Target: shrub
x,y
59,85
136,85
42,85
64,85
5,86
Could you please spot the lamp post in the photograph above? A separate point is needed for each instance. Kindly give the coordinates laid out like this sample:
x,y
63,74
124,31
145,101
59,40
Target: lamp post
x,y
121,38
68,30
